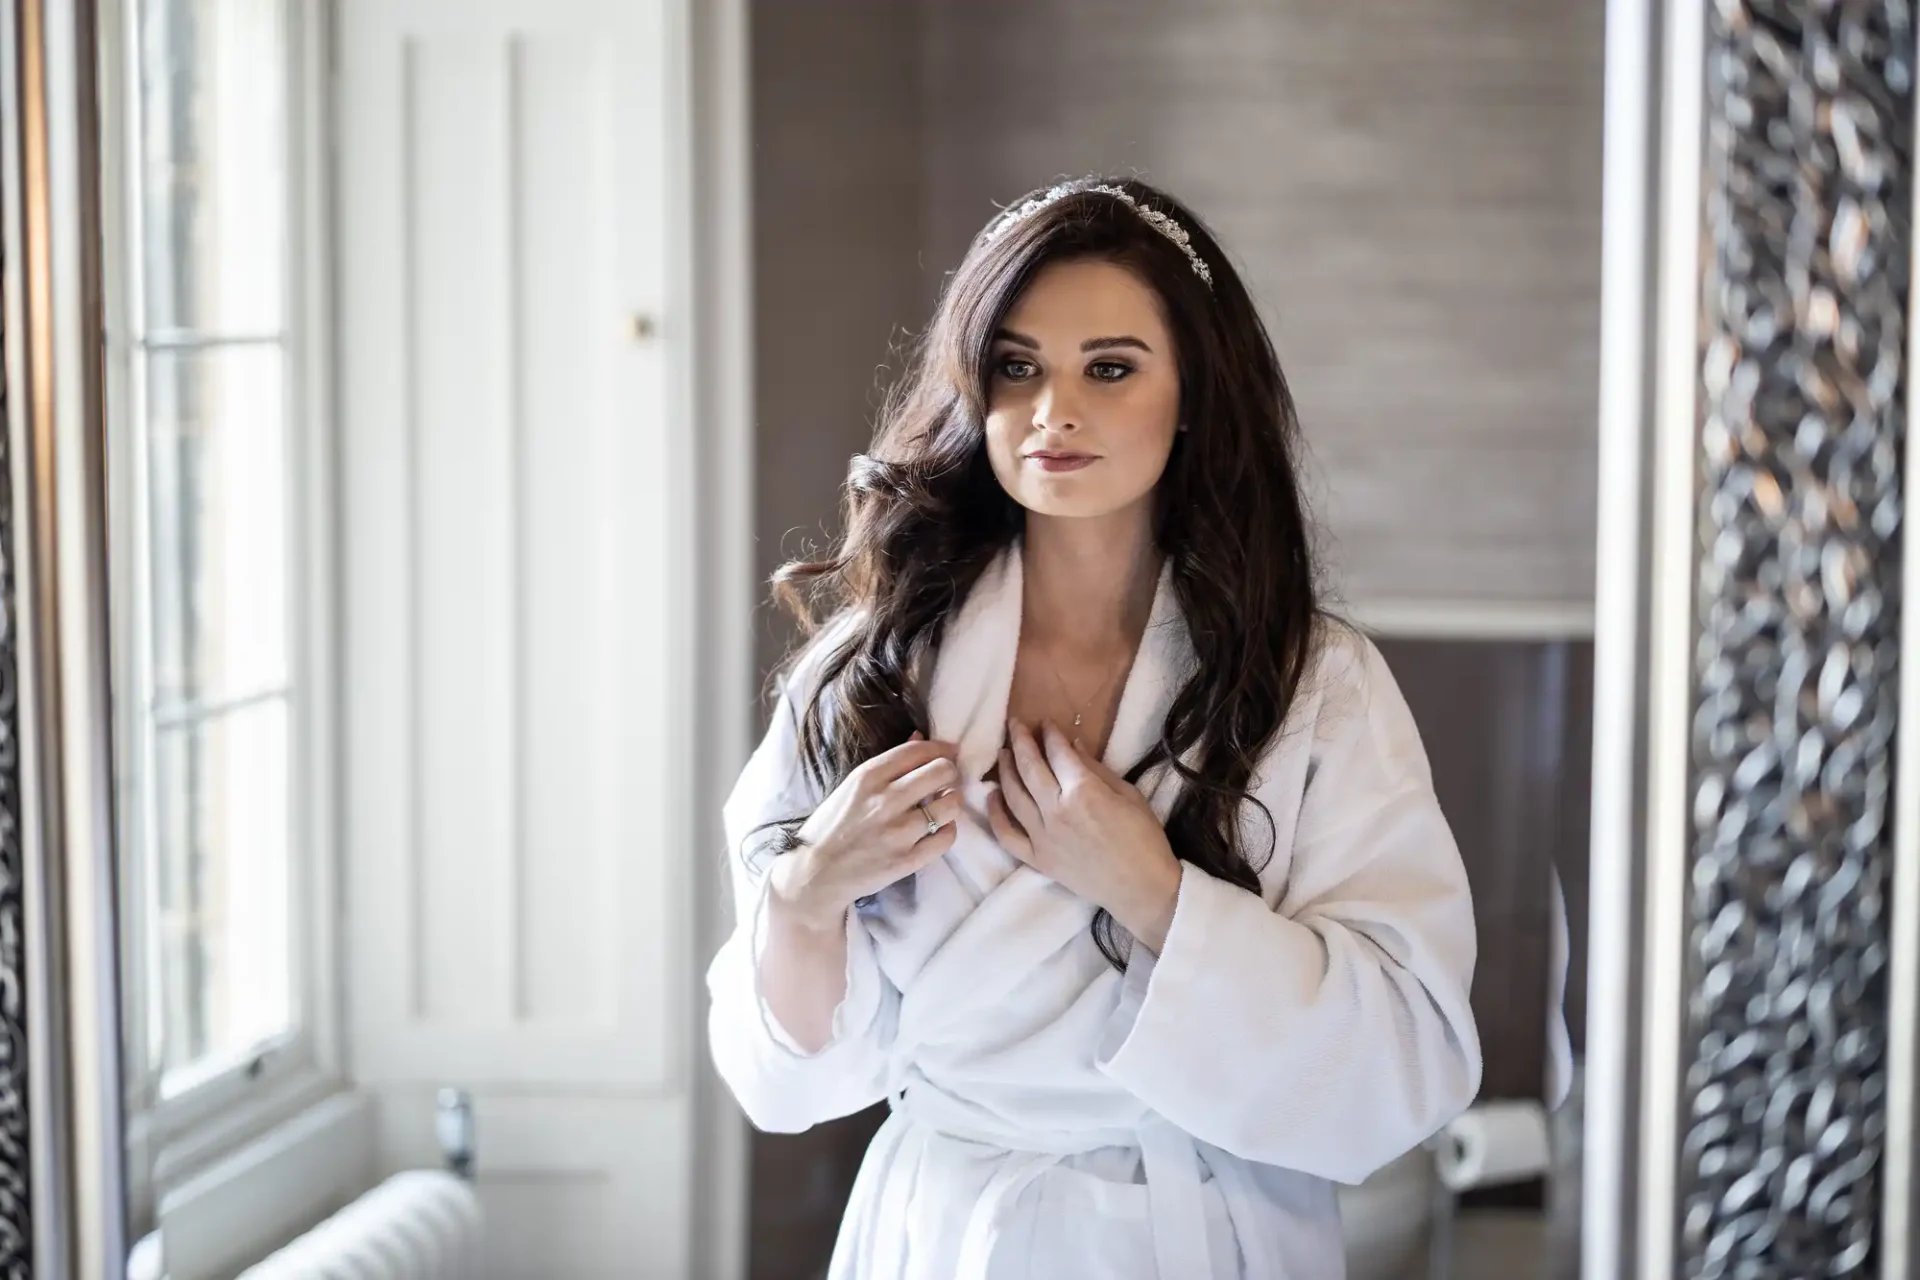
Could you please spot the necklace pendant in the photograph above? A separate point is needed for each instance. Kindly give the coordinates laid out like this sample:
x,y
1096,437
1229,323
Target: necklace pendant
x,y
1076,721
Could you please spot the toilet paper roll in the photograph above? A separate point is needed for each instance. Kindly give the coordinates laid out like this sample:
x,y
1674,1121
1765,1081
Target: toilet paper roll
x,y
1494,1143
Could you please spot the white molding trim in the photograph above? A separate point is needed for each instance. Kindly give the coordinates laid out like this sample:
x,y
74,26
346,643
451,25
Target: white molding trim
x,y
1409,618
126,513
1671,568
716,35
183,1147
313,452
1899,1259
1628,193
265,1194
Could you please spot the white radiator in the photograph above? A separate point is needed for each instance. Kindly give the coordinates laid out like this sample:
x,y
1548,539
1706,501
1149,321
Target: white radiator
x,y
419,1225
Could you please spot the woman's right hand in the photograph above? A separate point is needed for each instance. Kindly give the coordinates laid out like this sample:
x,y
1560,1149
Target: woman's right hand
x,y
871,832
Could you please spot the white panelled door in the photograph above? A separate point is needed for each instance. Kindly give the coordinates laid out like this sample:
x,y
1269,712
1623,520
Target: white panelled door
x,y
510,251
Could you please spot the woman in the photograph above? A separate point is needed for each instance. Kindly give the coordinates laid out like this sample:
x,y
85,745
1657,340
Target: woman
x,y
1081,834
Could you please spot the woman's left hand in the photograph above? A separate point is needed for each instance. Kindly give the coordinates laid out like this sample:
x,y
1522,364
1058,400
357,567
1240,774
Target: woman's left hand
x,y
1080,824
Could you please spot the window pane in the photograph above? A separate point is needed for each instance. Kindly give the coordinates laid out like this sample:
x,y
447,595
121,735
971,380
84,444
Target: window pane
x,y
220,889
218,516
212,180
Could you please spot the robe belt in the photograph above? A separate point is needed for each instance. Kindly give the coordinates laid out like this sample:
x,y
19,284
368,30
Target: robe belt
x,y
1168,1158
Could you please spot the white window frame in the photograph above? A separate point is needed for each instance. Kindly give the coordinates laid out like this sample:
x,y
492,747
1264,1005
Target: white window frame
x,y
178,1140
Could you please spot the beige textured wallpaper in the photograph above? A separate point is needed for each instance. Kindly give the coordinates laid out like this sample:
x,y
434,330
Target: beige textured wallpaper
x,y
1412,191
837,197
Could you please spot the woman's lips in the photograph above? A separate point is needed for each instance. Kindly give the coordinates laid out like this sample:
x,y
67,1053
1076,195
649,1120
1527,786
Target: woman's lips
x,y
1061,461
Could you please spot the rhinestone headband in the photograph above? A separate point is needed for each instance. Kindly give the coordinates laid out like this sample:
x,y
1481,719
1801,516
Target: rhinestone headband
x,y
1152,217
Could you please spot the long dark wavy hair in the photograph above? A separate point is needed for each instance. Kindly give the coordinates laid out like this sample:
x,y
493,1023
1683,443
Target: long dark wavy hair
x,y
925,516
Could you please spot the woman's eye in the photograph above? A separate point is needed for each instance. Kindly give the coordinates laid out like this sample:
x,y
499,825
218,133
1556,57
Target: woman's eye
x,y
1109,370
1015,369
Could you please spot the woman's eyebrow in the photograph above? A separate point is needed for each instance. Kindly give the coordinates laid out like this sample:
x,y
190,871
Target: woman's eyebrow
x,y
1091,344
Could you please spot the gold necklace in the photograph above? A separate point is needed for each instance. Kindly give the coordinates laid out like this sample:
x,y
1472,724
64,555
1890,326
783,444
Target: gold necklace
x,y
1080,712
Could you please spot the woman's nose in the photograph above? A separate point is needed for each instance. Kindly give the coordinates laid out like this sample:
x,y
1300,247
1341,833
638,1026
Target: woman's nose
x,y
1052,412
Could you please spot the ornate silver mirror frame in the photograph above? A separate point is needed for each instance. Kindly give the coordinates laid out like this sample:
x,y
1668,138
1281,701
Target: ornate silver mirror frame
x,y
1756,928
62,1198
1751,1071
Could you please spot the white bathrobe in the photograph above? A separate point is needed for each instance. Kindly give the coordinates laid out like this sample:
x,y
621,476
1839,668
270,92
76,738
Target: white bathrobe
x,y
1054,1118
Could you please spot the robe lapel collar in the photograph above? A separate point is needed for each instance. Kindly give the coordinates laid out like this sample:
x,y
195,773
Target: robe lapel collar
x,y
1163,663
973,673
1025,918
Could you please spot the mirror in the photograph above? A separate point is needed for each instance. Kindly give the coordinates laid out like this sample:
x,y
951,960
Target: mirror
x,y
409,401
424,678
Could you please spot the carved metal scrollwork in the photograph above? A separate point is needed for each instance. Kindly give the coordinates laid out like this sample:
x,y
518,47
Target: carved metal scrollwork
x,y
1808,205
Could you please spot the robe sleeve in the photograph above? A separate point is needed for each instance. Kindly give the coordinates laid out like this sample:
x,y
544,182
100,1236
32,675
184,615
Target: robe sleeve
x,y
1560,1065
1330,1035
781,1088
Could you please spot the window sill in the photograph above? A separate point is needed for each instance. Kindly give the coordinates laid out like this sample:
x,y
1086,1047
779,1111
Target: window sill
x,y
239,1208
